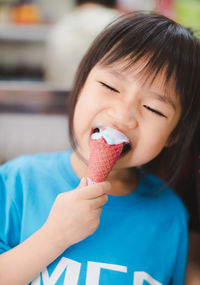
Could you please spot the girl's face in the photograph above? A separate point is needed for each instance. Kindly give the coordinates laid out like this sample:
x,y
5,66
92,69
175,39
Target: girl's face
x,y
115,97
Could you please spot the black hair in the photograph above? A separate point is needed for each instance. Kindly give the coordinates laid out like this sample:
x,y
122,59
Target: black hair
x,y
107,3
166,46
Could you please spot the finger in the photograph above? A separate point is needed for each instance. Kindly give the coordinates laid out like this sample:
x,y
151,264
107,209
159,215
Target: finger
x,y
95,190
83,183
100,201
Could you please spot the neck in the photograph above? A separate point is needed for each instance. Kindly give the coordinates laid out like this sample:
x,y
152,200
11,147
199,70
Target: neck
x,y
79,164
123,181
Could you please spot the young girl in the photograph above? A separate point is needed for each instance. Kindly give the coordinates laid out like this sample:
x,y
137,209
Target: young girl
x,y
141,76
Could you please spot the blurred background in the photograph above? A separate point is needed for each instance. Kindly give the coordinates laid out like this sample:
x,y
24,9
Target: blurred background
x,y
26,26
41,45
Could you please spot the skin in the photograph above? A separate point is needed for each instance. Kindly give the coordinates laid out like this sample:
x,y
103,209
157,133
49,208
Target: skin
x,y
113,96
76,214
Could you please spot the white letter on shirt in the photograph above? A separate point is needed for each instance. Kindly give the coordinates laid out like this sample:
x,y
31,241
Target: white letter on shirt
x,y
139,277
71,276
93,271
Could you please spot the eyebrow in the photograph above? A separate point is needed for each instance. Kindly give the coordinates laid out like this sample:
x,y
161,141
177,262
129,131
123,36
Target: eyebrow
x,y
161,97
164,98
116,73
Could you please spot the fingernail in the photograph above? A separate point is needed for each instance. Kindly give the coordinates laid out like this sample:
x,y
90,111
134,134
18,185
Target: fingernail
x,y
82,180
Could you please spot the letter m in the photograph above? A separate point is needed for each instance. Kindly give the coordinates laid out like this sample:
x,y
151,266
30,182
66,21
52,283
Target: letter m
x,y
71,276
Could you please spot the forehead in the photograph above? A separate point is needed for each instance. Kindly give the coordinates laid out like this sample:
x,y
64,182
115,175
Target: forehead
x,y
151,83
141,73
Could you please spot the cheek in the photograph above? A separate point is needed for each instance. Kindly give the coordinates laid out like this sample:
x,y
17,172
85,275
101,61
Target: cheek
x,y
149,146
83,105
83,118
154,148
78,121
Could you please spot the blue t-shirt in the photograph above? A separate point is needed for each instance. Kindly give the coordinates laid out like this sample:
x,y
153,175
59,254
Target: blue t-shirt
x,y
142,237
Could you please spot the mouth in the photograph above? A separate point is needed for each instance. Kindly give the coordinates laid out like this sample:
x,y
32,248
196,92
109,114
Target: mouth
x,y
126,145
126,148
95,130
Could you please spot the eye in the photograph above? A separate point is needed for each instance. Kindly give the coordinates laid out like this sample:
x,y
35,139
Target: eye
x,y
109,87
154,111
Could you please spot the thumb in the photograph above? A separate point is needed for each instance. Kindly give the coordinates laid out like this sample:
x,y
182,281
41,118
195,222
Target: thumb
x,y
82,183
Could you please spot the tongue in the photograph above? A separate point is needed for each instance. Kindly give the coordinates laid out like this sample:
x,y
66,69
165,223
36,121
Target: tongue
x,y
105,149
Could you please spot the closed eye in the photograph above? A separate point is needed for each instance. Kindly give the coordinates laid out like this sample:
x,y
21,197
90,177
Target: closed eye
x,y
109,87
154,111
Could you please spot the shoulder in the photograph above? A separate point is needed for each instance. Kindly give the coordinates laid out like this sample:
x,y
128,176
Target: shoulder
x,y
167,201
31,163
25,174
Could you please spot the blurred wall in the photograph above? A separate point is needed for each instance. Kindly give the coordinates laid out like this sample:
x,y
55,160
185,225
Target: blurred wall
x,y
55,8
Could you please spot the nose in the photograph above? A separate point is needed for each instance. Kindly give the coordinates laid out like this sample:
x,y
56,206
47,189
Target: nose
x,y
123,116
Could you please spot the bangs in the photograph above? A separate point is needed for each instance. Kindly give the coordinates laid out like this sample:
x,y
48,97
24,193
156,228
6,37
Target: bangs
x,y
160,44
146,69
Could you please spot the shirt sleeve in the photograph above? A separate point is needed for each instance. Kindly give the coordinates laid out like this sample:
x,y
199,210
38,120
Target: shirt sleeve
x,y
9,215
182,253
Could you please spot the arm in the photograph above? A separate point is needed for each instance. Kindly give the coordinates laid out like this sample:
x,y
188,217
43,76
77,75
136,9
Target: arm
x,y
74,216
24,262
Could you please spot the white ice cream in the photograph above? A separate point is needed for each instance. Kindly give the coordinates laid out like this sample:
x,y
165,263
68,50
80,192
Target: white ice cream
x,y
111,135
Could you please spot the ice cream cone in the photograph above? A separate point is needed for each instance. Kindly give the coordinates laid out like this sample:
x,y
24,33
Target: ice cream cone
x,y
102,159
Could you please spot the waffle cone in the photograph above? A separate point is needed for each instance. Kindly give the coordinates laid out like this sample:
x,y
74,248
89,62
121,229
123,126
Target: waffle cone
x,y
102,159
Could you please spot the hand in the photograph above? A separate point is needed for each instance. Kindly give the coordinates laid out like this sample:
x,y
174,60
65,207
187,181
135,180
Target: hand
x,y
76,214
